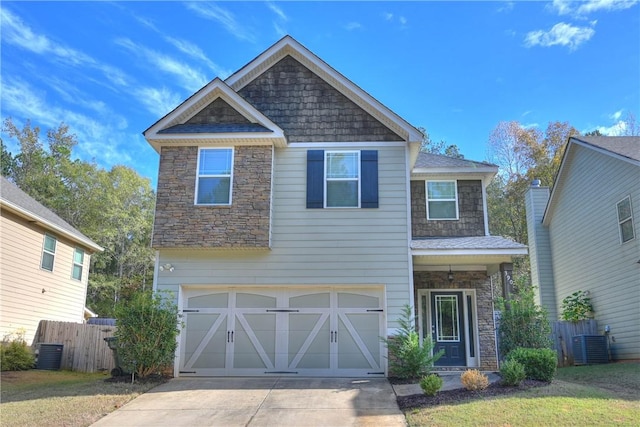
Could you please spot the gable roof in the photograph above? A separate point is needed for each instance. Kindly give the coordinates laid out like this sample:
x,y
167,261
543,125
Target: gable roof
x,y
623,148
253,128
437,165
287,46
20,203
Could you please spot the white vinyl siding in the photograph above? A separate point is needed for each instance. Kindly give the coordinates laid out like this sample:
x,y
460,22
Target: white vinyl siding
x,y
28,293
214,180
442,200
587,254
342,179
625,220
321,247
48,252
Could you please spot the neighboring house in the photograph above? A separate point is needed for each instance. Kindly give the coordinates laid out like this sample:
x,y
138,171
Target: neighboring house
x,y
583,235
44,265
292,222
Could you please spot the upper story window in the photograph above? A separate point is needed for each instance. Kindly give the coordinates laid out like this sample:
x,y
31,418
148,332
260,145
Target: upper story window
x,y
78,264
213,185
442,200
342,179
625,220
48,252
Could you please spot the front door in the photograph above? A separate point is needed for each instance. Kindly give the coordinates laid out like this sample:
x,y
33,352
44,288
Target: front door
x,y
447,326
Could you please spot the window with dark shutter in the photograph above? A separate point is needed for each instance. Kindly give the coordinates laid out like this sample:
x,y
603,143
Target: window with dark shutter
x,y
369,170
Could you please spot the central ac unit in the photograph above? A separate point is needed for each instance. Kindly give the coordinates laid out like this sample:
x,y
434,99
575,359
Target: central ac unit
x,y
590,349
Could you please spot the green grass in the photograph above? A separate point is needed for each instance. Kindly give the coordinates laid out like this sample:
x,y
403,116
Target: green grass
x,y
61,398
601,395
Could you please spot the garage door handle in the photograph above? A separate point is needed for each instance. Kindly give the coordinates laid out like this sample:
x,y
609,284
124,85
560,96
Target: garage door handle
x,y
333,336
377,310
282,310
229,336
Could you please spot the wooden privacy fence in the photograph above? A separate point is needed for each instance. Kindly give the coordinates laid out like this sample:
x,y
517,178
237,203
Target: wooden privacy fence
x,y
562,333
84,347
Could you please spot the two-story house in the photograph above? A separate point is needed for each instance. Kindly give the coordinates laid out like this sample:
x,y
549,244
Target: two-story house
x,y
296,217
44,265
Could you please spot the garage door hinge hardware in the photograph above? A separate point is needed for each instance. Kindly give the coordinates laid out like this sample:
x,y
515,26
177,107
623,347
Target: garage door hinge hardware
x,y
187,372
379,310
191,311
282,310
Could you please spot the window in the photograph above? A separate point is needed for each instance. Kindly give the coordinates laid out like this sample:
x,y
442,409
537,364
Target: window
x,y
213,185
625,220
48,252
342,179
78,264
442,200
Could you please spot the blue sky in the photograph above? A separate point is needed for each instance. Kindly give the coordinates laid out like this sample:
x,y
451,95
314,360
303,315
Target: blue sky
x,y
111,69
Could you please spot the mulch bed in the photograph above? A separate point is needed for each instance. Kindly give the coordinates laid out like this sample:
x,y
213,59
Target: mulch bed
x,y
462,395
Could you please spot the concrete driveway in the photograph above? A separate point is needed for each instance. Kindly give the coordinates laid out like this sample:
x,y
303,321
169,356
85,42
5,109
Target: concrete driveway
x,y
262,402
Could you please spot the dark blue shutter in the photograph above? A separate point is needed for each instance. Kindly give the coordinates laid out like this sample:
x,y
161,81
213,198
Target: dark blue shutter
x,y
315,179
369,185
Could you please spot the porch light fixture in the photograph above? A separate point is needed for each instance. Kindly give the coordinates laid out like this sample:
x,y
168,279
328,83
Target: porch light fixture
x,y
450,275
167,266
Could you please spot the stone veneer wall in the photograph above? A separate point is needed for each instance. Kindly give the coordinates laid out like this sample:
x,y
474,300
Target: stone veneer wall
x,y
179,223
308,109
470,211
479,281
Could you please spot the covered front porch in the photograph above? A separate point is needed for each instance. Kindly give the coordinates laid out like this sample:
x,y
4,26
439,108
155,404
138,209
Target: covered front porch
x,y
455,282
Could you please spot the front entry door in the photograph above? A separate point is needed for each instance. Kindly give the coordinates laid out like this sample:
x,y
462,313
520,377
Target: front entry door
x,y
447,327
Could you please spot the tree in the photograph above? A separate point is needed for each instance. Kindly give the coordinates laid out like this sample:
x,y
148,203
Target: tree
x,y
428,146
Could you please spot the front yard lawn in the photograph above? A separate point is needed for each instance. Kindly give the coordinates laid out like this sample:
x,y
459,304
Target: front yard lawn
x,y
599,395
62,398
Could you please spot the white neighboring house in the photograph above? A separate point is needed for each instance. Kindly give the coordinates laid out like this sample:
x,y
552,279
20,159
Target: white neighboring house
x,y
44,265
583,235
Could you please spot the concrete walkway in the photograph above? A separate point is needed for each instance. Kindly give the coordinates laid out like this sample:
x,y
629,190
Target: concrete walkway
x,y
262,402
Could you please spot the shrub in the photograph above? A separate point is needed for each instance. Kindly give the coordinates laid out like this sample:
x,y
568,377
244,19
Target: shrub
x,y
576,307
539,363
512,372
431,384
15,355
522,322
474,380
407,358
147,331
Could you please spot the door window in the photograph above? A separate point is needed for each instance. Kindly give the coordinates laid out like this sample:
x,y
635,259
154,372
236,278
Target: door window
x,y
447,319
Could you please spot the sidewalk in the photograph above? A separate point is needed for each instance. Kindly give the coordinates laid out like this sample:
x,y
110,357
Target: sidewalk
x,y
451,382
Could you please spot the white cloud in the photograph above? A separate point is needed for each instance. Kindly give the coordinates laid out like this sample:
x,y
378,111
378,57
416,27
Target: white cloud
x,y
403,20
388,16
506,6
190,79
227,19
195,52
275,9
158,101
353,26
279,30
562,34
582,8
530,125
617,129
616,116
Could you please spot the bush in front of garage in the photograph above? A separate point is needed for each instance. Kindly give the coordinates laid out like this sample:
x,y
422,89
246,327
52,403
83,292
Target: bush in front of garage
x,y
147,332
408,359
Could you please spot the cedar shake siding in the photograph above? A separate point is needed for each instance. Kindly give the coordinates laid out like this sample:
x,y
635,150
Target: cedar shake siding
x,y
218,112
470,212
308,109
479,281
179,223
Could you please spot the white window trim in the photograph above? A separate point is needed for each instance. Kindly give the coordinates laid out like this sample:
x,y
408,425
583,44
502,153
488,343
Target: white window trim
x,y
426,198
198,176
629,218
325,179
74,263
44,250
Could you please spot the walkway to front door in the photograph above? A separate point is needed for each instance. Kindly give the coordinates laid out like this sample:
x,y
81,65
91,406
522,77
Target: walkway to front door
x,y
264,401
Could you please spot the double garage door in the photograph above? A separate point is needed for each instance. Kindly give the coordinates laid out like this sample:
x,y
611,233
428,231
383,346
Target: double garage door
x,y
283,331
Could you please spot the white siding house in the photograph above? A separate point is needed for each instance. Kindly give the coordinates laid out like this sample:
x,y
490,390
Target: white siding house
x,y
593,242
